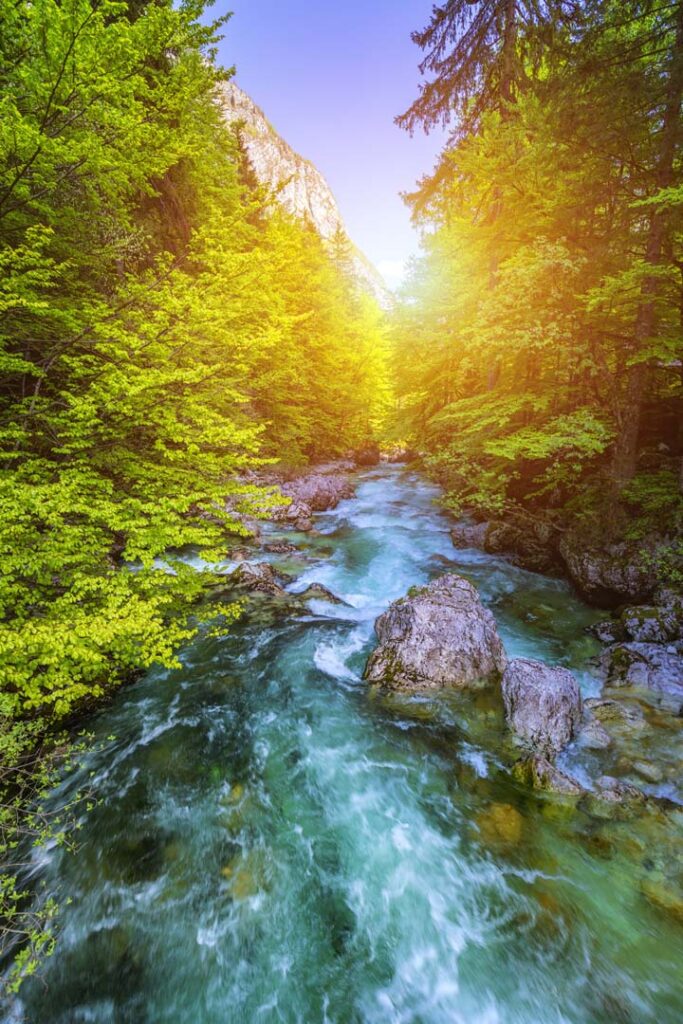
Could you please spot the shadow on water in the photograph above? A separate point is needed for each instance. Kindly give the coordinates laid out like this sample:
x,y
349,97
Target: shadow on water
x,y
275,842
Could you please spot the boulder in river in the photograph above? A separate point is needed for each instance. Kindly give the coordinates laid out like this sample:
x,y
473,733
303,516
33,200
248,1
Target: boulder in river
x,y
297,514
470,535
280,547
398,453
318,491
438,635
542,704
318,592
258,577
530,547
367,455
617,791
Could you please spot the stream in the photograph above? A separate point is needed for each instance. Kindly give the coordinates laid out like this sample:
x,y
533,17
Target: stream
x,y
276,842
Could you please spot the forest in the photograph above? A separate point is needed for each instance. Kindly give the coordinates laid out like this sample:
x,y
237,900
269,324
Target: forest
x,y
548,308
170,335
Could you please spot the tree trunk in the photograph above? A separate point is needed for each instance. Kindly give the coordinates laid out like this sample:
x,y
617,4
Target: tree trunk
x,y
625,455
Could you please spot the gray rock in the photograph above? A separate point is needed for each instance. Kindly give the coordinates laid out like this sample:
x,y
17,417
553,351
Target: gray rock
x,y
609,631
594,736
613,799
318,492
397,454
316,591
296,184
648,771
438,635
610,574
652,624
470,535
367,455
297,514
620,713
618,792
258,577
531,548
655,667
542,704
540,773
280,547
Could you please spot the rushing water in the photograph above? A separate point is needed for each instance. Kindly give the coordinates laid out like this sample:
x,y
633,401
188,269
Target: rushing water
x,y
275,842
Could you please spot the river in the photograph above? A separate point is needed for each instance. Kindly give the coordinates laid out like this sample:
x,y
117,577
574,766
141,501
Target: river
x,y
275,842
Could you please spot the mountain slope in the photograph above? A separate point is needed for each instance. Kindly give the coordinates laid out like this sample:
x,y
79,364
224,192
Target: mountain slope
x,y
302,188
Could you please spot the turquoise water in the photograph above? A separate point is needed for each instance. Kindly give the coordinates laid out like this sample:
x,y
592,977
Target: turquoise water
x,y
277,843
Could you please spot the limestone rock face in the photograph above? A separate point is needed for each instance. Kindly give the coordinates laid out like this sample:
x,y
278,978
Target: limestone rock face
x,y
300,186
438,635
542,704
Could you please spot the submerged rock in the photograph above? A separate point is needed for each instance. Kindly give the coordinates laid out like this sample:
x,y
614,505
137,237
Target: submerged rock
x,y
320,593
594,736
613,799
438,635
664,894
618,792
542,704
619,713
648,771
500,825
656,667
540,773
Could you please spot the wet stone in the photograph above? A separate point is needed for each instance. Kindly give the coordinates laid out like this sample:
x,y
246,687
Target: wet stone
x,y
665,895
500,825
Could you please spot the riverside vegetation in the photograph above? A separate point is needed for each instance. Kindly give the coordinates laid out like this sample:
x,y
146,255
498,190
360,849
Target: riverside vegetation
x,y
174,343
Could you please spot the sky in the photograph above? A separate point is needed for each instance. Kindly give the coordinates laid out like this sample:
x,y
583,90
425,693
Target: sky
x,y
331,76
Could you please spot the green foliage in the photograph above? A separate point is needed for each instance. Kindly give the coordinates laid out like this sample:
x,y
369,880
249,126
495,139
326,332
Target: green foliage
x,y
164,329
538,348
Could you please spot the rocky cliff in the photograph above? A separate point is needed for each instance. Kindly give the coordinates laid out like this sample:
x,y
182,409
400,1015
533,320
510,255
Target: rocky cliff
x,y
302,188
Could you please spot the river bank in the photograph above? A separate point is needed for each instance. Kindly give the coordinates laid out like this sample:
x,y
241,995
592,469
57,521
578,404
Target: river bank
x,y
277,841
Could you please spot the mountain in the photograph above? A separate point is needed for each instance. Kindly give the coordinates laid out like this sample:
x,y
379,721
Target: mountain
x,y
302,188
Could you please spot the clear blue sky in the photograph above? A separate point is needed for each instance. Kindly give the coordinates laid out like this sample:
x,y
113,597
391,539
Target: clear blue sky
x,y
330,76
